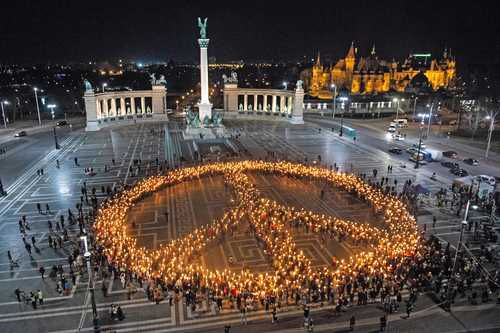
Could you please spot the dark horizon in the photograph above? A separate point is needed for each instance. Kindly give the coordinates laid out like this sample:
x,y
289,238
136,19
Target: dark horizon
x,y
63,32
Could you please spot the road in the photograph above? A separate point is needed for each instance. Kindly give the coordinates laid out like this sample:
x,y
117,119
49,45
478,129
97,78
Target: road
x,y
374,135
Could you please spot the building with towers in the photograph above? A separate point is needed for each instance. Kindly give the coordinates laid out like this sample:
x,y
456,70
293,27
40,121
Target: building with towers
x,y
372,75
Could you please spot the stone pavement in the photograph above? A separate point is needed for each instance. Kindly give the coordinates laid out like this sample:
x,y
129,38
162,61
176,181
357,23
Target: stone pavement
x,y
60,188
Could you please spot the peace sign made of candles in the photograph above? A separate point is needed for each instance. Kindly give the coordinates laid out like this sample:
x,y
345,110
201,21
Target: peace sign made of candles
x,y
270,221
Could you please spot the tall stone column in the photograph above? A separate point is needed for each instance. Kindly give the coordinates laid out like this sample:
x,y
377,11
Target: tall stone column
x,y
123,108
143,104
255,104
113,107
273,106
204,107
298,106
264,103
91,111
282,103
132,105
245,102
105,108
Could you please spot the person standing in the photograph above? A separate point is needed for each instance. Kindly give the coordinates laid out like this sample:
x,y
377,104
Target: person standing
x,y
42,272
40,296
18,294
383,323
352,323
274,318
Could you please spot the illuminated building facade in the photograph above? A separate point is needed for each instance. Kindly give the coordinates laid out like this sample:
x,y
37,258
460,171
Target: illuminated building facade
x,y
371,75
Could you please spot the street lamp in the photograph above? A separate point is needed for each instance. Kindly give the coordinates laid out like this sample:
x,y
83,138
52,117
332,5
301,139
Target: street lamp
x,y
415,107
104,85
334,98
52,107
87,256
285,84
463,224
491,128
3,113
430,118
343,99
37,106
422,115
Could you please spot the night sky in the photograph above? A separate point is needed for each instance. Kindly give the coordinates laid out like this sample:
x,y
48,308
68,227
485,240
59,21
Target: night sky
x,y
79,30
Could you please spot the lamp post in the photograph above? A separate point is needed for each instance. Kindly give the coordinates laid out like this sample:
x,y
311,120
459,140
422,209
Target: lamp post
x,y
87,256
491,128
104,85
343,99
430,119
52,107
285,84
3,113
417,163
37,106
396,100
415,107
334,98
463,224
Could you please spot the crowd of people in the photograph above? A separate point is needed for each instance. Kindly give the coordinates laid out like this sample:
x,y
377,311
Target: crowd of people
x,y
436,269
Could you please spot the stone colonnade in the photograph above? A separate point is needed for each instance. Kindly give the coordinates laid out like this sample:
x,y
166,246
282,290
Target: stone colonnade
x,y
119,105
264,101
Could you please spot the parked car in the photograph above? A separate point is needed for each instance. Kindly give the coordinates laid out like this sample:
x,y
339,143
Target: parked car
x,y
396,150
62,123
21,133
450,165
459,172
450,154
471,161
411,150
486,179
391,129
422,146
398,137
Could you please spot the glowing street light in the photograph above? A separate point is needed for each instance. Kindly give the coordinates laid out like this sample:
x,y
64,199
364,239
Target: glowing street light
x,y
285,84
52,107
37,107
334,98
104,85
3,112
491,117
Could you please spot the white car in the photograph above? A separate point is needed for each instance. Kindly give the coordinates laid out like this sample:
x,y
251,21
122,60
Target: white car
x,y
398,137
485,179
422,146
391,129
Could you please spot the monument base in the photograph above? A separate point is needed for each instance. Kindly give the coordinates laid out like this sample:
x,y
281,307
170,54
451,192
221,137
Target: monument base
x,y
204,110
296,120
204,133
92,126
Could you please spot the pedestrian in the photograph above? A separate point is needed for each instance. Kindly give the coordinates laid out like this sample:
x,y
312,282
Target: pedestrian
x,y
274,318
33,300
352,323
383,323
434,222
40,296
76,161
18,294
11,259
57,164
42,272
166,217
243,314
409,309
28,248
39,207
47,208
227,327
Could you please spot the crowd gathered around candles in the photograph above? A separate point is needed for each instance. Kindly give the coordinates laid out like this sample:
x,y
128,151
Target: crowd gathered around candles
x,y
395,256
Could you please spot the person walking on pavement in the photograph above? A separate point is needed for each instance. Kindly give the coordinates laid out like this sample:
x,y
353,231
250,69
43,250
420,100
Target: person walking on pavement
x,y
383,323
409,309
18,294
40,296
47,208
42,272
352,323
39,207
28,248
